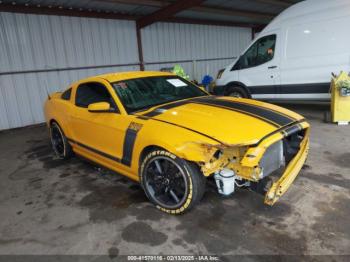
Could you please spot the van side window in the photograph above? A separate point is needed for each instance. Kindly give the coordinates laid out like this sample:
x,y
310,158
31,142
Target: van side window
x,y
66,94
89,93
259,53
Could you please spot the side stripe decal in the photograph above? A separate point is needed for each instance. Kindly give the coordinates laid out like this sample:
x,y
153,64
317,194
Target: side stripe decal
x,y
128,147
129,142
95,150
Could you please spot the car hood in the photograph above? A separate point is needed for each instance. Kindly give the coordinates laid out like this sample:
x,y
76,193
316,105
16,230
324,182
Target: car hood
x,y
225,119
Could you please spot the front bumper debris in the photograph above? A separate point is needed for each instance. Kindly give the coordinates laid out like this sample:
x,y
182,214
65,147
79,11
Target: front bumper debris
x,y
287,148
292,170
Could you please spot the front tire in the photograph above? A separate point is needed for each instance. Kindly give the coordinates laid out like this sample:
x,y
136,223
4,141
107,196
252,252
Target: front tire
x,y
237,91
173,184
59,142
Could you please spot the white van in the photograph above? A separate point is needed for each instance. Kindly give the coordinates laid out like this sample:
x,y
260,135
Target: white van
x,y
294,56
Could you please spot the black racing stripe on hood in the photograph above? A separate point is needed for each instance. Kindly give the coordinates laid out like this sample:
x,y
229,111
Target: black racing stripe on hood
x,y
279,119
291,130
270,116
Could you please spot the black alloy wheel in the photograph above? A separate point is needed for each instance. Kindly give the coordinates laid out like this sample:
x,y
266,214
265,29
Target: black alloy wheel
x,y
166,182
173,184
59,142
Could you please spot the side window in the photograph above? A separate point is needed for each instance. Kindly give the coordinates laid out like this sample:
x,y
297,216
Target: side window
x,y
259,53
89,93
266,49
66,94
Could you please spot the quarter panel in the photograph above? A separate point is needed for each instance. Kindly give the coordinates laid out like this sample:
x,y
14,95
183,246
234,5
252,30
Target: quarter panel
x,y
60,111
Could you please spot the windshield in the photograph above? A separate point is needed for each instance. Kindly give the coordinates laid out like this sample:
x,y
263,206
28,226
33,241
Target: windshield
x,y
143,93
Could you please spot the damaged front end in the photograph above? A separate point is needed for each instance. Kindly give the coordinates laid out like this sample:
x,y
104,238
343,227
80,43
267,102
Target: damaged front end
x,y
280,154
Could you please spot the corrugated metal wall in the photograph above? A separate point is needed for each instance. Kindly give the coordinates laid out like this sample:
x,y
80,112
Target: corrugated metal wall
x,y
174,42
37,42
59,45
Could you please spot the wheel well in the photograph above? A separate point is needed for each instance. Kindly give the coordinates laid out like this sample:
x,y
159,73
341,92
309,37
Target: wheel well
x,y
150,148
239,84
146,150
53,121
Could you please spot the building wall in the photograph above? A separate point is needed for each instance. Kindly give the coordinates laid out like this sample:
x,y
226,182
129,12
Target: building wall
x,y
38,42
40,54
210,47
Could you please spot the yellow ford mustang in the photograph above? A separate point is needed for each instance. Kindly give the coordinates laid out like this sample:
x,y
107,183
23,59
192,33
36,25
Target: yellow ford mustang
x,y
170,135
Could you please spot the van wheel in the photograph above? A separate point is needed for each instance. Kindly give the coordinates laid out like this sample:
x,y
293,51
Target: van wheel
x,y
237,91
59,142
173,184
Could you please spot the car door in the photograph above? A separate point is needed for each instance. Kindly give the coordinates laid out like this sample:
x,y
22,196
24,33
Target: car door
x,y
258,68
99,134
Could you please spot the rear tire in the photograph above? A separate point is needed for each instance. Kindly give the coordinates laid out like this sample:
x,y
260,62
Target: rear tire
x,y
237,91
172,184
60,144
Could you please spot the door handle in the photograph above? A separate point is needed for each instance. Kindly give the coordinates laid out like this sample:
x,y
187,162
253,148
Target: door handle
x,y
272,67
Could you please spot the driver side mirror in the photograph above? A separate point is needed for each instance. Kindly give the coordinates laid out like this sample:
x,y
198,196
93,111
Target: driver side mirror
x,y
100,107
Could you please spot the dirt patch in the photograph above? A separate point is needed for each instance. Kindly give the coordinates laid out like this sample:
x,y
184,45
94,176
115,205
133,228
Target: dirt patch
x,y
148,213
179,242
23,171
330,179
113,252
109,199
64,175
9,241
35,180
342,160
43,152
139,232
40,150
334,222
225,224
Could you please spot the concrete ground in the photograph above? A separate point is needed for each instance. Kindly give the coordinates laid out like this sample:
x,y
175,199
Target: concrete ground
x,y
50,206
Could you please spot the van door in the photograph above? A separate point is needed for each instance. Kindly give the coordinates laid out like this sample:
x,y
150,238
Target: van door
x,y
259,67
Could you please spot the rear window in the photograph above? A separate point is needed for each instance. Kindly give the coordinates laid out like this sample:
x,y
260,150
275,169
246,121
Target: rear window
x,y
66,94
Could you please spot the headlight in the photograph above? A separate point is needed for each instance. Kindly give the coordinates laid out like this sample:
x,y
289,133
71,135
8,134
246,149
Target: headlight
x,y
220,73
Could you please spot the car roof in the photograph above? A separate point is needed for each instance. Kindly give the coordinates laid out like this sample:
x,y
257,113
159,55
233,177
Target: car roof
x,y
119,76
